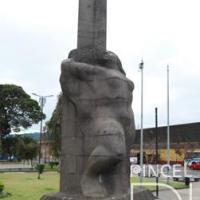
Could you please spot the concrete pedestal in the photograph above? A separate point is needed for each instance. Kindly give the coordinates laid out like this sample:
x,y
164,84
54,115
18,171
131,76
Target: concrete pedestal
x,y
62,196
140,193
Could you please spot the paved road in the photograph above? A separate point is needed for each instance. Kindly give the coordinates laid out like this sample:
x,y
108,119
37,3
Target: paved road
x,y
184,193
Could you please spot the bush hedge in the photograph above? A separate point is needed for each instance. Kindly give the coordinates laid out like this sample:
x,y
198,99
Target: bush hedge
x,y
52,164
1,187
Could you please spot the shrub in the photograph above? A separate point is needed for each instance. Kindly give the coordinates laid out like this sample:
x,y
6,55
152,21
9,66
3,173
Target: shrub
x,y
52,164
1,187
40,169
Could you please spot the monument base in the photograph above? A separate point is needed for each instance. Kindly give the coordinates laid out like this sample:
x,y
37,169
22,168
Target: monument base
x,y
63,196
140,193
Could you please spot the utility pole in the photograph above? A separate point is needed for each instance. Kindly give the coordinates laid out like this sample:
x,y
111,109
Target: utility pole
x,y
42,101
168,128
141,66
156,128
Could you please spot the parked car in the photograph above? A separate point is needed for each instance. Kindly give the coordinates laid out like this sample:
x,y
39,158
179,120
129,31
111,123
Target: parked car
x,y
189,162
195,165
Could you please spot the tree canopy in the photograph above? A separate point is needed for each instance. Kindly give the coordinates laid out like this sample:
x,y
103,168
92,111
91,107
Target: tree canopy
x,y
28,148
20,146
54,129
17,109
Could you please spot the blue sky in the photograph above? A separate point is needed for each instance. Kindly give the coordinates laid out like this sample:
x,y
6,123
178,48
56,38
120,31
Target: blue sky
x,y
35,36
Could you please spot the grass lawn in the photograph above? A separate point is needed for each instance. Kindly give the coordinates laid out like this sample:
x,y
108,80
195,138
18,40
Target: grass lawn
x,y
26,186
174,184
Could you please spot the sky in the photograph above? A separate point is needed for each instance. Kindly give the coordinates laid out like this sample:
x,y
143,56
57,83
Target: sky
x,y
35,36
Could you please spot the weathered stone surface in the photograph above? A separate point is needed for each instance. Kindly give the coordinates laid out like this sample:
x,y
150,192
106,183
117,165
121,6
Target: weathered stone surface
x,y
92,24
98,126
62,196
97,57
97,121
140,193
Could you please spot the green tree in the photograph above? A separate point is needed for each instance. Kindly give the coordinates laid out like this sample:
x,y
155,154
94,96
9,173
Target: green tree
x,y
17,110
27,148
22,147
9,146
54,129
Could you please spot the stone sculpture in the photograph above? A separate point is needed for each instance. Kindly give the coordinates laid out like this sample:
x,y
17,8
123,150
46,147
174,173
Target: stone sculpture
x,y
97,123
97,127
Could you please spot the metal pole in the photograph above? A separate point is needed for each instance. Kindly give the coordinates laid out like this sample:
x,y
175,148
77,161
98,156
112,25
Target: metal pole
x,y
156,128
0,142
168,128
42,100
141,66
41,105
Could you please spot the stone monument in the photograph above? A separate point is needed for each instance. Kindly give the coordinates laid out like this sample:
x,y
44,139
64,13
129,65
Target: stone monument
x,y
97,121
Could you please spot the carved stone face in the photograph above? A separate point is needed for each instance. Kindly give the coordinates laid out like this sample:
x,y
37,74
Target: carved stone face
x,y
104,123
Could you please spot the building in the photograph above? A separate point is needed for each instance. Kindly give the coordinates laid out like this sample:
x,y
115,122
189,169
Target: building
x,y
46,149
184,142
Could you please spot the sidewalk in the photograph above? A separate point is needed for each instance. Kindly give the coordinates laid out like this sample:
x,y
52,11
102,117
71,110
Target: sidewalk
x,y
15,167
184,193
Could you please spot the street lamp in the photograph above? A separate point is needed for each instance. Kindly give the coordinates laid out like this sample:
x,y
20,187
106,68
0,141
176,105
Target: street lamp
x,y
42,101
141,66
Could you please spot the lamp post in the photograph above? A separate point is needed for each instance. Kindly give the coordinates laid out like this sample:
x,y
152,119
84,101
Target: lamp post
x,y
141,66
42,101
